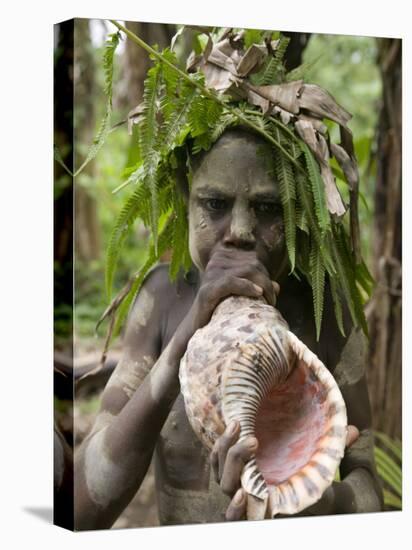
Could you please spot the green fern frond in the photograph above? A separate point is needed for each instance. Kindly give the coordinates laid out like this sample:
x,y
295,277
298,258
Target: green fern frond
x,y
224,122
175,127
318,189
300,72
393,445
180,237
302,259
364,278
273,69
134,178
317,276
138,205
337,305
172,79
342,242
104,128
286,180
203,117
346,277
108,57
301,220
388,458
164,242
391,500
149,131
130,211
305,198
281,48
389,470
268,74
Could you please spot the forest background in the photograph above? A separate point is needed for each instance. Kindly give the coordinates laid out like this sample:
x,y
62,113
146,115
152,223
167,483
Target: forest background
x,y
364,75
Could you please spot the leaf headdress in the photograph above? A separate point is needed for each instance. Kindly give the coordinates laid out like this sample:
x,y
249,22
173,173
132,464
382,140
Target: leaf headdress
x,y
239,79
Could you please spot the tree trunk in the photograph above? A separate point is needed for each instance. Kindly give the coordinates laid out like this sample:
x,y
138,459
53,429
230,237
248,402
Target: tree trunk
x,y
385,309
136,60
87,229
295,49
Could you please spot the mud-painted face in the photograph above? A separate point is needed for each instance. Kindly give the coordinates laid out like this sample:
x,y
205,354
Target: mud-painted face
x,y
235,202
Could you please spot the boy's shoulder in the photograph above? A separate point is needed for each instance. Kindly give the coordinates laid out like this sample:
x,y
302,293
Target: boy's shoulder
x,y
165,294
159,282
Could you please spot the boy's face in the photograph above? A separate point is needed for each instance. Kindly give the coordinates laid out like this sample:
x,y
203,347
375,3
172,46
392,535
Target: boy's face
x,y
235,202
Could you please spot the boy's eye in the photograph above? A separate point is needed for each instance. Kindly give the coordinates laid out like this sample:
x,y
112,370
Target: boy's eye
x,y
215,204
266,207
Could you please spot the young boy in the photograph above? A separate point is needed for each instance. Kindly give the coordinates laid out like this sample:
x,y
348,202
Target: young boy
x,y
237,244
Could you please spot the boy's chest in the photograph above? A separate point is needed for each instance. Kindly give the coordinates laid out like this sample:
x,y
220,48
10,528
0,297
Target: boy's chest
x,y
180,455
186,490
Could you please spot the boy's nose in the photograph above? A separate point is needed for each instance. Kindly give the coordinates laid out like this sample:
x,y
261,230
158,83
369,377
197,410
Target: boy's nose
x,y
241,231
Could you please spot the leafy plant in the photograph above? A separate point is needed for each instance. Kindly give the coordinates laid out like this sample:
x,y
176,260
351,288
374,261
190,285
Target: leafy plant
x,y
388,457
182,116
104,128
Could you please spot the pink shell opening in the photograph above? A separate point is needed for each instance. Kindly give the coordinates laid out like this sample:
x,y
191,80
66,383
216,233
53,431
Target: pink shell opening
x,y
291,420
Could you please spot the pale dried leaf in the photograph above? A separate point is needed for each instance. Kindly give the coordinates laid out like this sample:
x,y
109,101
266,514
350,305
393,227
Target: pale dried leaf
x,y
274,44
176,36
285,116
306,131
318,145
316,123
284,95
252,60
258,100
217,78
346,140
193,62
208,49
333,198
321,103
347,164
134,117
221,60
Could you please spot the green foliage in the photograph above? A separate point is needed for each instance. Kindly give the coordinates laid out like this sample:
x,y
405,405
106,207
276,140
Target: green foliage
x,y
388,457
348,70
164,243
104,129
181,118
301,72
317,273
273,70
285,177
318,189
149,134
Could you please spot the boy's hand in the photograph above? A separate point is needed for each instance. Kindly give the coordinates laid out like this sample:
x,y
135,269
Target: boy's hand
x,y
230,271
228,458
327,504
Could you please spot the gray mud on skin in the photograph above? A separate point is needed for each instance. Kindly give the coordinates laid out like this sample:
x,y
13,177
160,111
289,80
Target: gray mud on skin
x,y
351,366
103,477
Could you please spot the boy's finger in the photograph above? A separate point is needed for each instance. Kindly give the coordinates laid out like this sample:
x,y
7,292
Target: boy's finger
x,y
221,447
236,458
237,507
351,435
276,288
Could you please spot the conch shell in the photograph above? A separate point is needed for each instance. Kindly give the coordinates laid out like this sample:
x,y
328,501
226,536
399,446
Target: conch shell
x,y
246,365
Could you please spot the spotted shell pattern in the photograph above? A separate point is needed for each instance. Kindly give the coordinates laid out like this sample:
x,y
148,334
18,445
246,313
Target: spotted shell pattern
x,y
246,365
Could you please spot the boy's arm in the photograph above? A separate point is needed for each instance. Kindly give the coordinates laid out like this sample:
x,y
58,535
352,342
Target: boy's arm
x,y
359,489
114,458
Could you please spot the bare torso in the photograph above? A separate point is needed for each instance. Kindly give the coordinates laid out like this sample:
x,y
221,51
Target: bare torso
x,y
185,485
